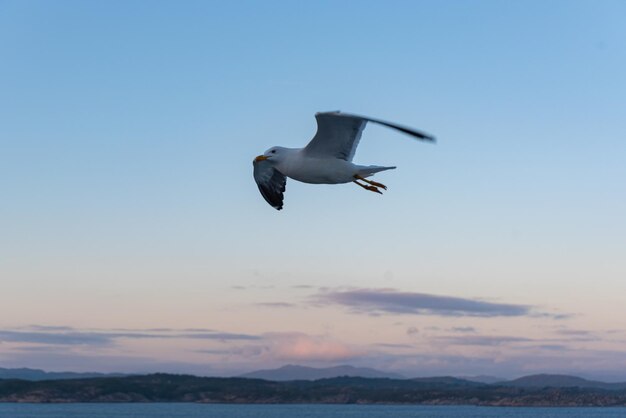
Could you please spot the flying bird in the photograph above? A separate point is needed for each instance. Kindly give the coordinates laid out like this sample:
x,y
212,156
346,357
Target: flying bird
x,y
327,159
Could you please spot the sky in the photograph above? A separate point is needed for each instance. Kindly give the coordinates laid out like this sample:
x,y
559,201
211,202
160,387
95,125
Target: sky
x,y
133,237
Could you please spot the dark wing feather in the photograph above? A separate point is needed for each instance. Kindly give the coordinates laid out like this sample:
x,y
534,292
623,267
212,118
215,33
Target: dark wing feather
x,y
338,134
417,134
271,183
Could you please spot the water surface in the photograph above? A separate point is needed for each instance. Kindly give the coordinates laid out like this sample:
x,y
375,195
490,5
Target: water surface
x,y
188,410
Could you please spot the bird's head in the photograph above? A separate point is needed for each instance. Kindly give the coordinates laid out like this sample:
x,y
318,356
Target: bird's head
x,y
273,155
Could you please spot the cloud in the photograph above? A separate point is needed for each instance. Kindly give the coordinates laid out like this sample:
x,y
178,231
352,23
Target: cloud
x,y
54,338
216,336
275,305
569,335
556,347
390,301
504,356
193,329
306,348
237,348
483,340
257,287
551,315
277,348
574,332
389,345
463,329
49,328
65,360
37,334
459,353
247,351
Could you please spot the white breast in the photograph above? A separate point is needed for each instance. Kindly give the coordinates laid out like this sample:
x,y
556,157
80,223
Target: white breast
x,y
317,170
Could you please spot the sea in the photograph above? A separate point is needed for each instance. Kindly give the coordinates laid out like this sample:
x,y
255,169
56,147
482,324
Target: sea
x,y
189,410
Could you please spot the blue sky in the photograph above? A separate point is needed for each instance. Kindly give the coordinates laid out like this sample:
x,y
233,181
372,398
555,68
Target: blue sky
x,y
128,131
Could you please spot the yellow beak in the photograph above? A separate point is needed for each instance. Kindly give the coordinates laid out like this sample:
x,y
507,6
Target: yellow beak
x,y
260,158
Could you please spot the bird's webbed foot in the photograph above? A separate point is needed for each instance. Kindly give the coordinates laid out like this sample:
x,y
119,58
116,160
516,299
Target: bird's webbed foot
x,y
373,183
370,188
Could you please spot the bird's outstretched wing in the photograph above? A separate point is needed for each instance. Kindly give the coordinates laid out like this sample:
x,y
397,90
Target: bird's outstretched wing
x,y
271,183
338,134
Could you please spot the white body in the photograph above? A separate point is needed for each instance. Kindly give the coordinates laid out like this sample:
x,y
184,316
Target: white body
x,y
298,166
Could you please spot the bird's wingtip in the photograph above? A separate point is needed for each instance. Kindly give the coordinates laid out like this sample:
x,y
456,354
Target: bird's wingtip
x,y
327,112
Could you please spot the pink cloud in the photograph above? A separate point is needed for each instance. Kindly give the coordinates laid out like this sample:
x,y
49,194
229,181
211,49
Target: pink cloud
x,y
302,347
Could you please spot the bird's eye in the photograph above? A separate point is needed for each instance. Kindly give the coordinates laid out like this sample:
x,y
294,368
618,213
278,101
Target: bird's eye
x,y
273,151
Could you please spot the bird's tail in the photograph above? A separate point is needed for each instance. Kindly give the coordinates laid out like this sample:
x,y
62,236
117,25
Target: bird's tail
x,y
369,170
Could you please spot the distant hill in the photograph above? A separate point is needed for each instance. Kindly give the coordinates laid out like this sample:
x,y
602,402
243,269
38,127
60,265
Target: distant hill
x,y
448,381
340,390
293,372
36,374
490,380
560,381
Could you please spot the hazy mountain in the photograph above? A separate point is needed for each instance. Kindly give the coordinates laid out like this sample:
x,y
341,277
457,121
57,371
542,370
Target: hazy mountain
x,y
560,381
447,381
483,379
36,374
293,372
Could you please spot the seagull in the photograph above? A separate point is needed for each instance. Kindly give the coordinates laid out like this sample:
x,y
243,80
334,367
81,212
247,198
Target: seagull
x,y
327,158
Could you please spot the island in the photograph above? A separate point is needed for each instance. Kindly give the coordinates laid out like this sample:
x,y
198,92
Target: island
x,y
339,390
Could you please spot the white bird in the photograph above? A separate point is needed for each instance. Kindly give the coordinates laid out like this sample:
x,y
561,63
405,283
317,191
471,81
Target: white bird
x,y
327,159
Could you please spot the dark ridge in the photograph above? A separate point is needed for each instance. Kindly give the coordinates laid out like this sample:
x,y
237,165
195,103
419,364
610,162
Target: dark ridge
x,y
341,390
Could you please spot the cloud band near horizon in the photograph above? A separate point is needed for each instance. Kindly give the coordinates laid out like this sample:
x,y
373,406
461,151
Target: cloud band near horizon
x,y
72,336
390,301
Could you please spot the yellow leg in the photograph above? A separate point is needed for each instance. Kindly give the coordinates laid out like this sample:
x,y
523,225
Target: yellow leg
x,y
370,188
373,183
